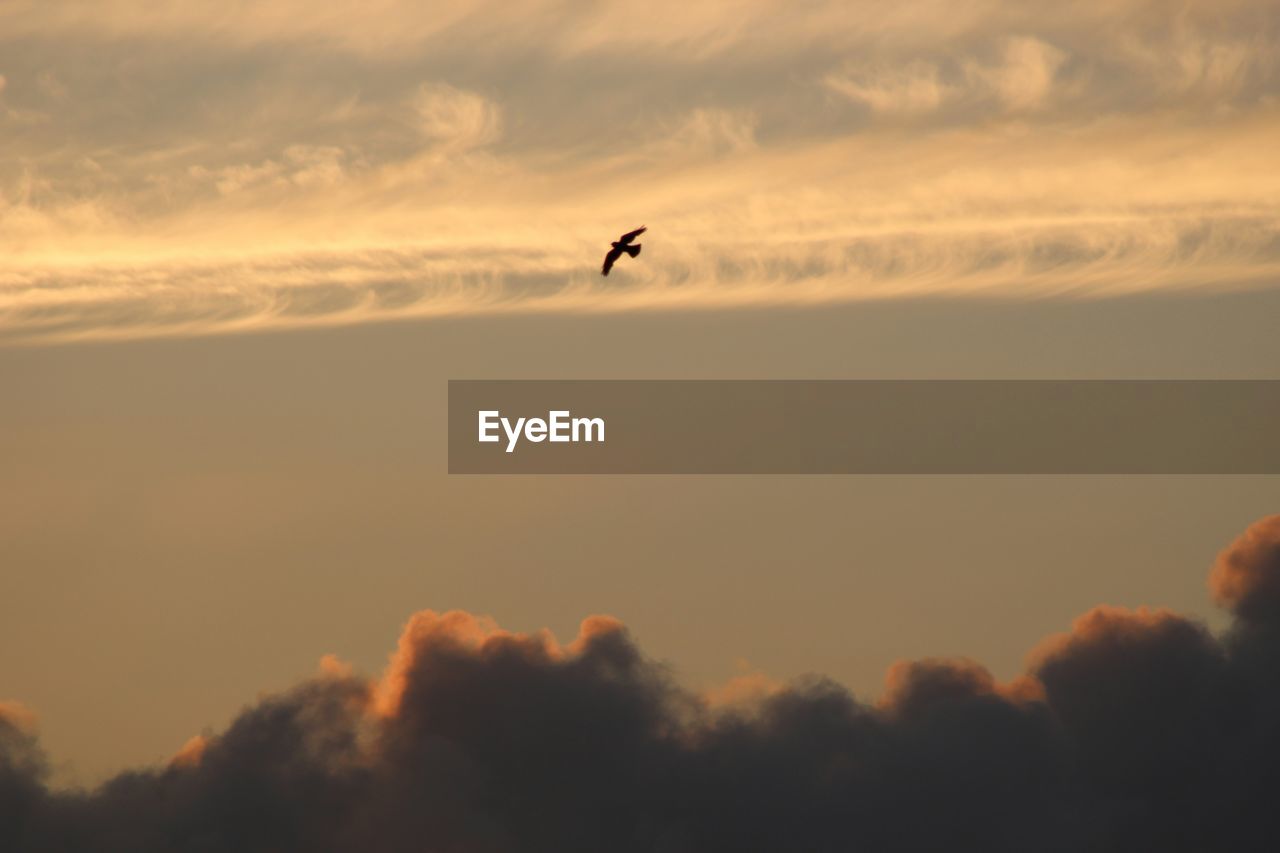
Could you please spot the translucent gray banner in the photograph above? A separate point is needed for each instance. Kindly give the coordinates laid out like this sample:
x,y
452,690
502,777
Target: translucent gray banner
x,y
864,427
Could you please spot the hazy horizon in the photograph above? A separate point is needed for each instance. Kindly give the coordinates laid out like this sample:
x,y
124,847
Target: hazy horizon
x,y
198,489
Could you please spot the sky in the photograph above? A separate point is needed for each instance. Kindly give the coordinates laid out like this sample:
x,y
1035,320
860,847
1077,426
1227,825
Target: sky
x,y
178,168
243,247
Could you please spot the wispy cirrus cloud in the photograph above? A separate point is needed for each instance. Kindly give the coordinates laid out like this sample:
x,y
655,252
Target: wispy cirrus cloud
x,y
191,170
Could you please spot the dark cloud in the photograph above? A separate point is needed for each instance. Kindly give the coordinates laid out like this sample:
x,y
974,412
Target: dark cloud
x,y
1137,730
1246,577
22,771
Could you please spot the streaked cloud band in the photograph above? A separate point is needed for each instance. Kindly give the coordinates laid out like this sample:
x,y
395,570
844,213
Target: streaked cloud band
x,y
194,170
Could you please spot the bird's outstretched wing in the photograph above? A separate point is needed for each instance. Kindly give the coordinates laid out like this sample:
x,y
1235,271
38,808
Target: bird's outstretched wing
x,y
631,235
609,259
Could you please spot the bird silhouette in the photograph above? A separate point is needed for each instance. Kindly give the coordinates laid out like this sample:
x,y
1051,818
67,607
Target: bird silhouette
x,y
622,244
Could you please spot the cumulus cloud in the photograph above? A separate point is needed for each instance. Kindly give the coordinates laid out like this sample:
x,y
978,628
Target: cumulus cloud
x,y
22,771
1137,729
1246,576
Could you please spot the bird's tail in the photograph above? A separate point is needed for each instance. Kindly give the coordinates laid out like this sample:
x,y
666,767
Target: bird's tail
x,y
632,250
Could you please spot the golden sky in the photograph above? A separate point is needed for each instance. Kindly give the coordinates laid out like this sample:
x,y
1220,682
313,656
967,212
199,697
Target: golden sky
x,y
182,167
909,189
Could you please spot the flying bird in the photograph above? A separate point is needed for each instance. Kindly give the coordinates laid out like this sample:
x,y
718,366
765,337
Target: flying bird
x,y
623,244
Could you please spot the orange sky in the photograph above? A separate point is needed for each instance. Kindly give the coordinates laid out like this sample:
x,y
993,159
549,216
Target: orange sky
x,y
833,190
188,168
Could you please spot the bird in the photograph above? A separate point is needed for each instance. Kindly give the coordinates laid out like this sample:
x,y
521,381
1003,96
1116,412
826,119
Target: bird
x,y
622,244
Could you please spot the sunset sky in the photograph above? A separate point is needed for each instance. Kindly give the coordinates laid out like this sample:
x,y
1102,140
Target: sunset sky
x,y
244,245
179,168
